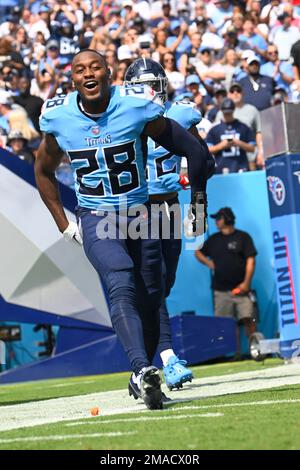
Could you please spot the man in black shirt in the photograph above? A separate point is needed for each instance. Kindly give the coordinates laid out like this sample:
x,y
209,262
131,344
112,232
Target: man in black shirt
x,y
230,254
32,104
295,56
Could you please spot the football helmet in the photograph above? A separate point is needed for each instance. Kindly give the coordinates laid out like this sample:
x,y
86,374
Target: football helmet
x,y
148,72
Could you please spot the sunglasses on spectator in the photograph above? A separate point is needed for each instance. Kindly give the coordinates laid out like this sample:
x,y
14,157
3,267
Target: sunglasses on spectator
x,y
169,60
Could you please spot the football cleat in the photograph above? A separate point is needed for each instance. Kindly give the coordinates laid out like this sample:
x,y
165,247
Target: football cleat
x,y
176,374
149,391
135,392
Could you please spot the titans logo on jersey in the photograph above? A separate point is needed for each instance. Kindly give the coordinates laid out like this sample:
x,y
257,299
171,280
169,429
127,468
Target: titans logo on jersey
x,y
108,153
160,161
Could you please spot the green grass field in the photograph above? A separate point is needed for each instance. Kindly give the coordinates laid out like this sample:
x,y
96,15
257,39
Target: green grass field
x,y
261,419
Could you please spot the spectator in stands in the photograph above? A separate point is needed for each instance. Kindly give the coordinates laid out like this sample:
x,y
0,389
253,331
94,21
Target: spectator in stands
x,y
163,22
119,73
175,79
160,48
19,121
271,11
18,145
23,45
32,104
45,83
249,115
230,255
284,36
229,66
258,89
219,11
242,69
6,103
257,43
41,23
230,141
207,68
233,42
8,54
189,60
220,94
178,42
193,86
51,56
281,71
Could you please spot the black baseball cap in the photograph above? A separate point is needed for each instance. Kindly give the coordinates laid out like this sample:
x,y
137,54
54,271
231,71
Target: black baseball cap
x,y
227,105
225,212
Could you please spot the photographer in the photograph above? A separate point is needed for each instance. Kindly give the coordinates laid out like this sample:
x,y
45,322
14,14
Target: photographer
x,y
230,141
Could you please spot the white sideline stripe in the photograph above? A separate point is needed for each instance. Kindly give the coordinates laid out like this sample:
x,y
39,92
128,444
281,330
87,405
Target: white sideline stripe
x,y
118,402
84,382
235,405
148,419
200,407
63,438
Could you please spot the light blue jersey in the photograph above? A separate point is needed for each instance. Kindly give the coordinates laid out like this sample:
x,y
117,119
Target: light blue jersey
x,y
162,162
108,154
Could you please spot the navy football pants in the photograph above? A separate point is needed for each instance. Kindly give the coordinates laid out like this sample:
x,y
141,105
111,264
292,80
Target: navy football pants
x,y
131,271
171,249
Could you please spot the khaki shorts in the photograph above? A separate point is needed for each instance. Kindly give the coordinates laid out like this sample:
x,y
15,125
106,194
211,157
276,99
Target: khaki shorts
x,y
233,306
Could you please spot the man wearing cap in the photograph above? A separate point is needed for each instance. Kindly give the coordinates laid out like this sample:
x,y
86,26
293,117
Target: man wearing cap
x,y
17,144
192,83
249,115
284,36
230,255
206,67
230,141
42,24
232,41
219,92
258,89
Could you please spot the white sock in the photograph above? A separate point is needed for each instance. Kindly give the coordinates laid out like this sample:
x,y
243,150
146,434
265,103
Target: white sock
x,y
137,378
166,355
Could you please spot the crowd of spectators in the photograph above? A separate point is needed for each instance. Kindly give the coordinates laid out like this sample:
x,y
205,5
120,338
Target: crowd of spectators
x,y
244,51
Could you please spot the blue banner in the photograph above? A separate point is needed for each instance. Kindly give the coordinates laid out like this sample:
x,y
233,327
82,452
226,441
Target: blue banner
x,y
283,176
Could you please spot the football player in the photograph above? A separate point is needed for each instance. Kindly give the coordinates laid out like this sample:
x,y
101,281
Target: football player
x,y
103,129
164,182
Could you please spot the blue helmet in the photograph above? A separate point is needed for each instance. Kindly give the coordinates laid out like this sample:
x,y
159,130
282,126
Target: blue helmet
x,y
149,72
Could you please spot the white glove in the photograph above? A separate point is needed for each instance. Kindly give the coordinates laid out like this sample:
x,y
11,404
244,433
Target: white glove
x,y
72,234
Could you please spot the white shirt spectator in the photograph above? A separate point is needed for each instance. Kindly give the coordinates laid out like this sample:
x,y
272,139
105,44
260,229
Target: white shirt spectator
x,y
283,40
143,10
212,40
40,25
176,80
275,11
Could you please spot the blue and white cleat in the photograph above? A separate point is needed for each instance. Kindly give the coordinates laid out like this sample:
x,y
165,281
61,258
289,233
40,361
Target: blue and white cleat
x,y
149,390
176,374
